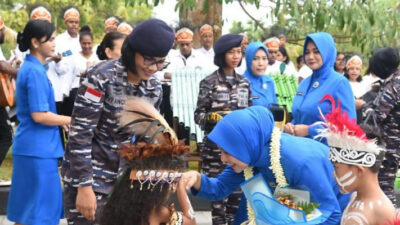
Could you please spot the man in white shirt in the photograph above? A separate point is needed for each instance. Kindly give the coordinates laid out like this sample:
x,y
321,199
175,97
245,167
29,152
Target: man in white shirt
x,y
207,40
187,57
273,64
67,45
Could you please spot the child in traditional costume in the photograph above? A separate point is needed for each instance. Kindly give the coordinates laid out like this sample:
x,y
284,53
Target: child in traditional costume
x,y
357,160
154,164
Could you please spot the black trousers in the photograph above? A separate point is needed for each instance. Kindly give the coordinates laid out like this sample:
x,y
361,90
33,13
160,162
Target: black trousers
x,y
68,104
59,107
165,107
5,134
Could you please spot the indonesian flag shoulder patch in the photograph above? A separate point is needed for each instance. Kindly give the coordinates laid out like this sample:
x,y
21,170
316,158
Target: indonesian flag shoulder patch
x,y
93,94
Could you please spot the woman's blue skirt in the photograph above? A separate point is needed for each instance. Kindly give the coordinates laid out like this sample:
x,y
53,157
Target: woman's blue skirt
x,y
36,195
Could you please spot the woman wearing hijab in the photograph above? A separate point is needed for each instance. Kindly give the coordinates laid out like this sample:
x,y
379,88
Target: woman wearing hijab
x,y
319,54
386,107
262,86
220,93
250,143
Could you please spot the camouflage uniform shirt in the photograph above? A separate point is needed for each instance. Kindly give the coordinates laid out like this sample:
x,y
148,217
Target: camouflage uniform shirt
x,y
387,109
91,156
218,92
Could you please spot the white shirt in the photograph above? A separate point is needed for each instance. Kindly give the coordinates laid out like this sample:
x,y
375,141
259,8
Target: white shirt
x,y
305,72
65,42
242,68
19,55
195,61
290,69
160,74
358,89
274,68
208,54
367,82
68,47
1,55
56,73
81,64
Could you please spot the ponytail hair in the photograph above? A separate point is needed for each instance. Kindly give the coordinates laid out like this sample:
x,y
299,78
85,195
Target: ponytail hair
x,y
34,29
85,30
108,42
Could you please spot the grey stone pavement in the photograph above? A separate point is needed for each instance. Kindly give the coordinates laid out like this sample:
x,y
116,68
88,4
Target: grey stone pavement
x,y
202,218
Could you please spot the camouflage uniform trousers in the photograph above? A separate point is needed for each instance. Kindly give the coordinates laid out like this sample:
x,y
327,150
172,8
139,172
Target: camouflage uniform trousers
x,y
387,174
71,213
224,211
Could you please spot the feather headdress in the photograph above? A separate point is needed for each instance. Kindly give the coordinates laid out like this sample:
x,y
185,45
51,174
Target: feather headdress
x,y
348,142
141,119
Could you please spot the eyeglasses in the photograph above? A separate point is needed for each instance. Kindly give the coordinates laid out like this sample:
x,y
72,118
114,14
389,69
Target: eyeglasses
x,y
161,64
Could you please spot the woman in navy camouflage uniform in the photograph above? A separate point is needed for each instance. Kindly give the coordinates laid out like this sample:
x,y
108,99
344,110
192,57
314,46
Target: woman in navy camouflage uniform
x,y
221,92
91,163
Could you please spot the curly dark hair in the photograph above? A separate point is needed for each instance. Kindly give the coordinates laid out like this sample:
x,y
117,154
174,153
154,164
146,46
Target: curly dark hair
x,y
128,205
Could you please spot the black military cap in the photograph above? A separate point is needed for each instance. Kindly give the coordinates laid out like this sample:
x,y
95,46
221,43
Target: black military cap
x,y
227,42
152,38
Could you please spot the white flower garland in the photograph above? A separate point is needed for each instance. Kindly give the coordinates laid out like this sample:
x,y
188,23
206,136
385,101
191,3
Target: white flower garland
x,y
275,155
248,174
276,168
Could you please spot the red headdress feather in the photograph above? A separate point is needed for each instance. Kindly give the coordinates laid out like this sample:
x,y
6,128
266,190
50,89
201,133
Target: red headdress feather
x,y
340,122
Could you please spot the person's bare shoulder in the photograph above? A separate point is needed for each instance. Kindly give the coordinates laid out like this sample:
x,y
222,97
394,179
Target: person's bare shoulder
x,y
385,213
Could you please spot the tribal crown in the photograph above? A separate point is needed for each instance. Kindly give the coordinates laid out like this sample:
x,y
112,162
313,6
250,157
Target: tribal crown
x,y
348,142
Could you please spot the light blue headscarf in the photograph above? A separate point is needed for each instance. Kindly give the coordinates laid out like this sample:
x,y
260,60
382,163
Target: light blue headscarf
x,y
244,133
262,87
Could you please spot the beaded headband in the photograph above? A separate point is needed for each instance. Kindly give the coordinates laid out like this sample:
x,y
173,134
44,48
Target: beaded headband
x,y
155,177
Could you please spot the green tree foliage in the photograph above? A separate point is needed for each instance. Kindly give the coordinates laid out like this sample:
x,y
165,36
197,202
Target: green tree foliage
x,y
357,25
360,23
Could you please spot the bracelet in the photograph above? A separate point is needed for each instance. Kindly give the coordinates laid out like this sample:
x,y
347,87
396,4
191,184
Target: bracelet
x,y
176,219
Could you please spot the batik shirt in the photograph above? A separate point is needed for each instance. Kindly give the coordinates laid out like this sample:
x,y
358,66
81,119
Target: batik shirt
x,y
220,93
91,157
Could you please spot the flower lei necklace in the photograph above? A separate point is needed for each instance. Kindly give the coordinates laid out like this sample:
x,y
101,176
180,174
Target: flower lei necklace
x,y
276,168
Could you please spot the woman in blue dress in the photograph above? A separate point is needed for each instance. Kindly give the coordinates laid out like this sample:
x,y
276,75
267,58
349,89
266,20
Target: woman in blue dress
x,y
252,142
262,85
36,194
319,54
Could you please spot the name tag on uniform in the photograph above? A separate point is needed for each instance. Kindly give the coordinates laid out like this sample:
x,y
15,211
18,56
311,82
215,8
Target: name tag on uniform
x,y
299,93
93,94
243,97
223,97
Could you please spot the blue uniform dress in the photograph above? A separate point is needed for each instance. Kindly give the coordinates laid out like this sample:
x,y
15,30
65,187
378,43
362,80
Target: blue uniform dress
x,y
262,87
36,194
322,81
305,162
